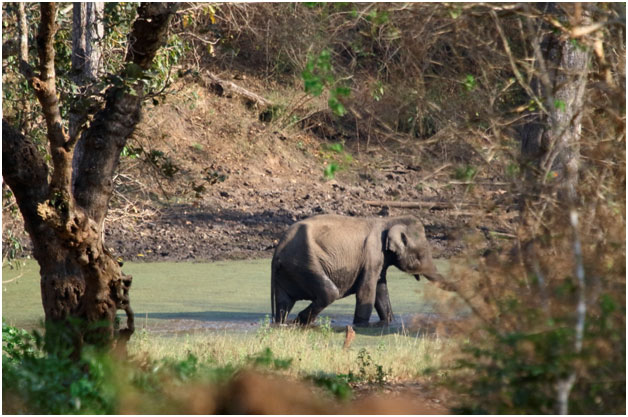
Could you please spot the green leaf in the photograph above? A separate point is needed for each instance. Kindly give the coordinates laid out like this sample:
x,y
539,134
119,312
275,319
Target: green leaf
x,y
336,147
337,107
560,105
607,303
133,71
330,170
343,91
314,86
469,82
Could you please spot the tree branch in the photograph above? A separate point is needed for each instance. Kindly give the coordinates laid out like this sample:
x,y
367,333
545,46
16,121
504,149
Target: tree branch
x,y
112,126
45,90
513,64
565,385
149,30
24,171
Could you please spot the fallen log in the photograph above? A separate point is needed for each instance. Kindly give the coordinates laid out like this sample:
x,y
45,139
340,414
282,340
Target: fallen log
x,y
227,88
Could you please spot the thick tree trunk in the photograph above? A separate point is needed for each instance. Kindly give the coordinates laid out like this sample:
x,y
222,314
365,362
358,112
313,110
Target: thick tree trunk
x,y
80,279
26,173
550,142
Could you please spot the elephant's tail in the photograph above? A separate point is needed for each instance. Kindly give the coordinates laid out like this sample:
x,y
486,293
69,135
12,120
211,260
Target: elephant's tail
x,y
273,292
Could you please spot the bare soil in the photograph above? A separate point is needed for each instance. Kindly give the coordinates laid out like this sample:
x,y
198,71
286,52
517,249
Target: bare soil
x,y
204,179
241,182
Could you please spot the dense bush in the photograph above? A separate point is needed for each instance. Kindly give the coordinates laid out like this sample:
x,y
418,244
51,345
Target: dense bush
x,y
36,382
517,372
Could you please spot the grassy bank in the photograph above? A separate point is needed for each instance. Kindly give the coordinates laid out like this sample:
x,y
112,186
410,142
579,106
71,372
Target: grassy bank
x,y
393,356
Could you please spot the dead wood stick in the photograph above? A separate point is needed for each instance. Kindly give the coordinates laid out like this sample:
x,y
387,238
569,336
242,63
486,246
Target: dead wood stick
x,y
349,336
438,205
495,183
224,87
436,171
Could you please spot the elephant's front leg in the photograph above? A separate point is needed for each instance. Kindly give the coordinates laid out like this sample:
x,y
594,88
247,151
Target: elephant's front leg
x,y
382,302
365,299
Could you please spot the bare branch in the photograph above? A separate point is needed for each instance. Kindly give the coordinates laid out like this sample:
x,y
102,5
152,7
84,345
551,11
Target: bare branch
x,y
513,64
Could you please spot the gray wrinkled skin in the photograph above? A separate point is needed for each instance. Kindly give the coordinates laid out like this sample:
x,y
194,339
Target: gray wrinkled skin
x,y
328,257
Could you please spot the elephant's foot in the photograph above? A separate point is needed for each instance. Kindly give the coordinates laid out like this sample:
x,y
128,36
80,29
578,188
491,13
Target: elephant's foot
x,y
363,324
304,320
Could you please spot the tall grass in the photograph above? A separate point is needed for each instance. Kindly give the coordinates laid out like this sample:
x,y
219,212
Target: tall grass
x,y
400,356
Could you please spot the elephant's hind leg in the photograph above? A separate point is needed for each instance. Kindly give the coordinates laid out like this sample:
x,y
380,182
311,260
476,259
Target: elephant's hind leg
x,y
284,304
322,294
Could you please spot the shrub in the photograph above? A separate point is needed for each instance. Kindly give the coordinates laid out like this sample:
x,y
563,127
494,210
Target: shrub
x,y
52,383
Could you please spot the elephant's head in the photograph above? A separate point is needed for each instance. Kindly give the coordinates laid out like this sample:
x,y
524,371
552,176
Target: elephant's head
x,y
411,250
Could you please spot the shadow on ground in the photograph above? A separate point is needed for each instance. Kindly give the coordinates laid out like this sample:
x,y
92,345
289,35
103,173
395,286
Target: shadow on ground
x,y
207,316
410,325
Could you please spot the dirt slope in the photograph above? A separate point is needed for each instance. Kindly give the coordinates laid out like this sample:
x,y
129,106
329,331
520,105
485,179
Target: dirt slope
x,y
204,179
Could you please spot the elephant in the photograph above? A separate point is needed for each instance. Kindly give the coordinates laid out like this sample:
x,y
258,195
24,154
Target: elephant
x,y
328,257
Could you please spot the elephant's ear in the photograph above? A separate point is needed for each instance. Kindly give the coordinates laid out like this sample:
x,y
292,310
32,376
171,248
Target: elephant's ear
x,y
397,239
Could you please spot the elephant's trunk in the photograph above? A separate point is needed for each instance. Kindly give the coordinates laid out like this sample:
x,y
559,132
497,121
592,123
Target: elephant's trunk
x,y
435,277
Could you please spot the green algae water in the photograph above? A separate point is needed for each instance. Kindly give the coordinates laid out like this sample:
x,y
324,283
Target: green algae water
x,y
224,296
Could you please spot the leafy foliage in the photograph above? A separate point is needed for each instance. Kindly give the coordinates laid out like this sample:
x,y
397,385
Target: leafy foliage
x,y
466,172
335,159
37,381
517,372
336,384
369,371
267,359
52,383
318,75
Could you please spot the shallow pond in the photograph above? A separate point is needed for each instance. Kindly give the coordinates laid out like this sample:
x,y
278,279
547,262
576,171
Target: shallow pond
x,y
174,297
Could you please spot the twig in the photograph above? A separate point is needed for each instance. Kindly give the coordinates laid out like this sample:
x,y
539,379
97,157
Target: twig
x,y
513,64
477,183
436,171
198,38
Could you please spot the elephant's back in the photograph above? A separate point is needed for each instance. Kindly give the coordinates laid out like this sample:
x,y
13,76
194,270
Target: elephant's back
x,y
331,239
